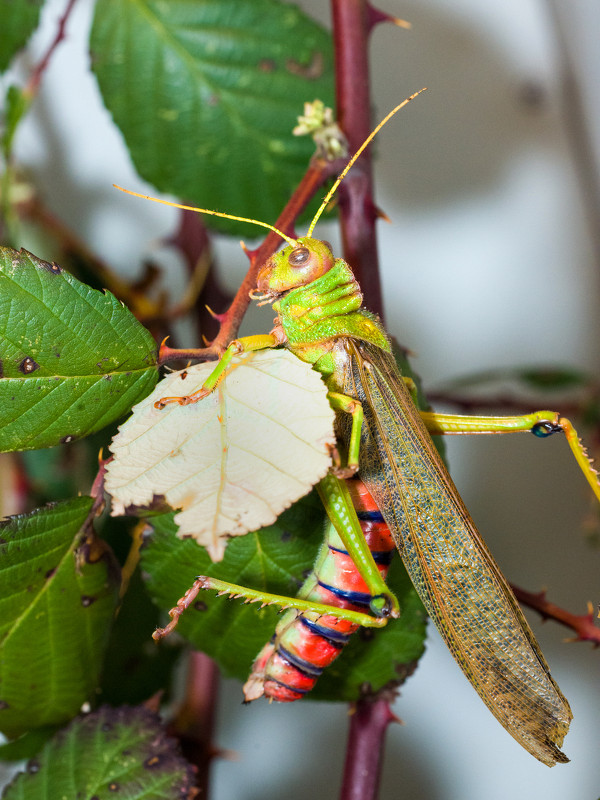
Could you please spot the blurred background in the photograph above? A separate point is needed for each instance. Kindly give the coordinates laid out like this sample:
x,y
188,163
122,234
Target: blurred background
x,y
490,180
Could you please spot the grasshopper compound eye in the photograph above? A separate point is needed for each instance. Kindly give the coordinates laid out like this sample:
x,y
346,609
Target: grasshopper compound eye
x,y
299,256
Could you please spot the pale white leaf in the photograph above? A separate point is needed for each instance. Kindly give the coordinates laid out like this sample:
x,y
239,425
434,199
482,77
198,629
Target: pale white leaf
x,y
233,461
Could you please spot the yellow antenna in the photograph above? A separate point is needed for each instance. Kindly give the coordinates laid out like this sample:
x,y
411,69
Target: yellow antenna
x,y
288,239
346,169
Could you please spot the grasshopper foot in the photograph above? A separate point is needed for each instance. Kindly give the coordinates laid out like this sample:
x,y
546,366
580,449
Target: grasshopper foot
x,y
186,400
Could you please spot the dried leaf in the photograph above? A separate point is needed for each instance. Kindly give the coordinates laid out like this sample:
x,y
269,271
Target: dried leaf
x,y
233,461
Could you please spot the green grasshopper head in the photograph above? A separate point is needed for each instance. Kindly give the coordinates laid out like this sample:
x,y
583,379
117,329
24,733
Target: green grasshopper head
x,y
295,265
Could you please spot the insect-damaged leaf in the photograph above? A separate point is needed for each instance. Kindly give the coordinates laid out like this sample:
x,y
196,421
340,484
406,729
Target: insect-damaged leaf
x,y
57,599
72,359
234,460
114,752
207,94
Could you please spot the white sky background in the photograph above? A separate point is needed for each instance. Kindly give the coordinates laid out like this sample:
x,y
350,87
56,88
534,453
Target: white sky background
x,y
488,262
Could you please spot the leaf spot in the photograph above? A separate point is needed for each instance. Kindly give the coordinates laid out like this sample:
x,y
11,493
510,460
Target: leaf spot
x,y
311,71
87,600
66,439
28,365
267,65
53,268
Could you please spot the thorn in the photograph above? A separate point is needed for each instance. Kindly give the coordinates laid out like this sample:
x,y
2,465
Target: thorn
x,y
590,608
375,16
380,214
214,315
249,253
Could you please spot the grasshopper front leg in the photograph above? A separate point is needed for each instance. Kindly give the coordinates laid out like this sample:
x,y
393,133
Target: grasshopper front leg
x,y
246,344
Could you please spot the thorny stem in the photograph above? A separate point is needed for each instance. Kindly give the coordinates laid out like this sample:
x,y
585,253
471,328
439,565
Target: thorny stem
x,y
583,625
501,402
34,81
316,175
352,24
28,94
364,753
195,720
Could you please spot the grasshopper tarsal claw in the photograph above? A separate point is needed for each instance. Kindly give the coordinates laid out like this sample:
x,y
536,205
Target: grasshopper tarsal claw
x,y
186,400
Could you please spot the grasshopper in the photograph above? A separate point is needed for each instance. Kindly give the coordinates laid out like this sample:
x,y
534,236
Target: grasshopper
x,y
406,498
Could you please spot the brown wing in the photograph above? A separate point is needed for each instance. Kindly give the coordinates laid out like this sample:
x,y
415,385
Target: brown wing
x,y
455,575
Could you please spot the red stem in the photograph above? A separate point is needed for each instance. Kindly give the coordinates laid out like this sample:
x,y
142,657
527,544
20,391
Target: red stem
x,y
364,753
315,176
33,83
195,721
352,24
584,625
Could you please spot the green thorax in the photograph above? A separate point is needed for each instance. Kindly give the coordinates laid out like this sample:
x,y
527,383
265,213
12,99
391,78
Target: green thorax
x,y
314,315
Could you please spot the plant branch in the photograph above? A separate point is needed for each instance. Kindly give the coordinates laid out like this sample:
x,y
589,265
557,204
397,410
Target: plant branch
x,y
194,722
353,21
364,753
505,403
33,84
316,175
584,625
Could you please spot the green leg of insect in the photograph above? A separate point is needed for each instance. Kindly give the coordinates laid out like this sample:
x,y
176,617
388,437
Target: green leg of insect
x,y
337,502
341,402
540,423
265,599
339,507
246,344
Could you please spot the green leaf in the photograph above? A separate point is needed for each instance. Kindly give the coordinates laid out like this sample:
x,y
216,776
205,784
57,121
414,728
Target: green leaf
x,y
72,359
28,745
274,558
58,596
17,104
114,752
207,92
134,667
18,20
277,559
